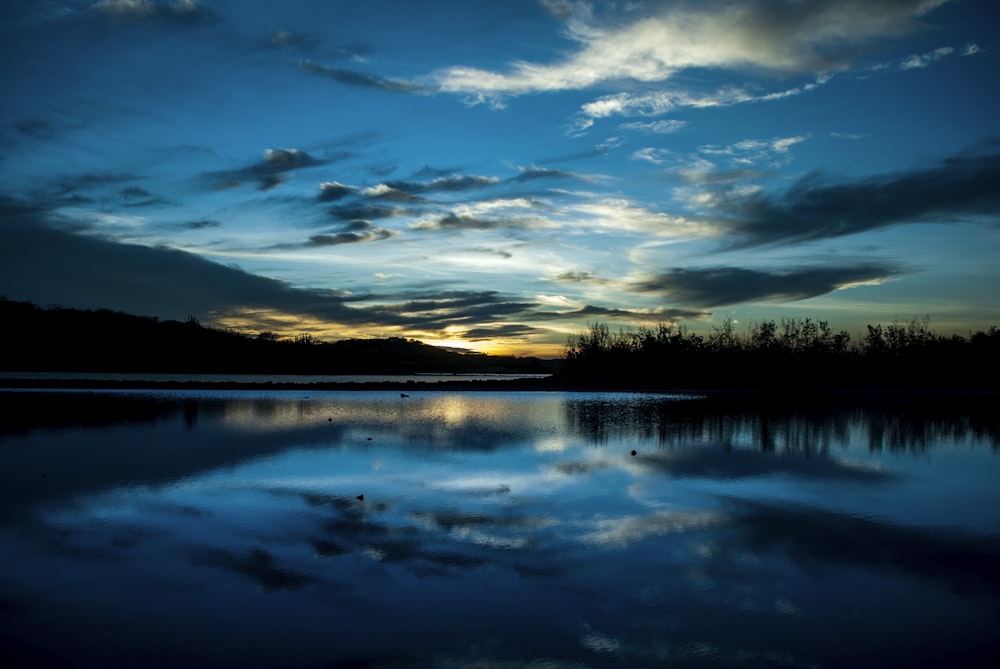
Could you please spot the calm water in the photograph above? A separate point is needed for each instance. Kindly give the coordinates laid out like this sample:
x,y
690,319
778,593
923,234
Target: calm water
x,y
266,378
207,529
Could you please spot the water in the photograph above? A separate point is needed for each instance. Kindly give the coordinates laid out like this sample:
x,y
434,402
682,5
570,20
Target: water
x,y
144,377
227,529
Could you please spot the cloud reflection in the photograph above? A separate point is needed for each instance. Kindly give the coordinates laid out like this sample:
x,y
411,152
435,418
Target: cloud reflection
x,y
245,507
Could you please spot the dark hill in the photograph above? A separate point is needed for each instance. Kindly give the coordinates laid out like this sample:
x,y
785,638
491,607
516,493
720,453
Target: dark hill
x,y
59,339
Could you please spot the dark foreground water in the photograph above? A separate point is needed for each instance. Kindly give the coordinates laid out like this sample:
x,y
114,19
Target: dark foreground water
x,y
488,530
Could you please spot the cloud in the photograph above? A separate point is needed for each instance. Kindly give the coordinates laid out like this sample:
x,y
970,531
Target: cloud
x,y
721,286
656,103
958,188
364,211
389,194
134,192
181,12
745,154
201,224
560,9
36,128
499,332
632,315
355,78
133,196
451,183
655,127
269,171
453,221
50,266
577,276
650,154
330,191
784,37
925,59
352,233
536,173
620,215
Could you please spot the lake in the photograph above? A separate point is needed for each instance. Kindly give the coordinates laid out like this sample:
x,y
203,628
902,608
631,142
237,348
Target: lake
x,y
478,529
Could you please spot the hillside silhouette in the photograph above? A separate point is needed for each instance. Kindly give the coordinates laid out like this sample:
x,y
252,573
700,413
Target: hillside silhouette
x,y
58,339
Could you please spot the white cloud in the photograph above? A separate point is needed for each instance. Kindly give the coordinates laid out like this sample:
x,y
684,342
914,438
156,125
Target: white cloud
x,y
620,215
661,102
925,59
789,37
650,154
755,151
145,9
655,127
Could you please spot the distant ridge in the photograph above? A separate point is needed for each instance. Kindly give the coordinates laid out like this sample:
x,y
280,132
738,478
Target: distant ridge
x,y
59,339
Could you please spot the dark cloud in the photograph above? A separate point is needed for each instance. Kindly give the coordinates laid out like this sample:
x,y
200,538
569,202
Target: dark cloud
x,y
499,331
337,238
594,312
331,191
387,193
68,184
50,266
36,128
179,13
445,183
354,78
958,188
536,173
268,172
134,192
439,310
359,225
580,277
350,212
492,252
133,196
199,225
716,287
466,222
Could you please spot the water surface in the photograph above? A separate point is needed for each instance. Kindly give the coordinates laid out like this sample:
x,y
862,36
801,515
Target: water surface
x,y
366,529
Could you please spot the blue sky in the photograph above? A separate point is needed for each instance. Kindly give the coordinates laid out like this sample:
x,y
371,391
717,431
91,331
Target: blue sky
x,y
497,175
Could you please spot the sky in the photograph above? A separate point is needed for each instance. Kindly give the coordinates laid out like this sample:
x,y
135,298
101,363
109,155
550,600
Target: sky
x,y
495,176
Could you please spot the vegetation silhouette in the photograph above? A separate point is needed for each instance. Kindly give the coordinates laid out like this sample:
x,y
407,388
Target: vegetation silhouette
x,y
59,339
788,355
784,356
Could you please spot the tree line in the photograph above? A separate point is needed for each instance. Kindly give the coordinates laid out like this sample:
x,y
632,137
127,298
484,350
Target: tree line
x,y
60,339
791,353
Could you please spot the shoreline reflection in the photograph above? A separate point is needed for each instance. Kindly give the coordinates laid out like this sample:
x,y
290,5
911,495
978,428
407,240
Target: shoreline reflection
x,y
456,529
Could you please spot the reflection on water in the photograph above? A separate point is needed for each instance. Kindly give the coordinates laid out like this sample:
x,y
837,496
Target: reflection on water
x,y
449,529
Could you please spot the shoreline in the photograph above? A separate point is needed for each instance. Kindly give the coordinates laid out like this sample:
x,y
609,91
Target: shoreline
x,y
745,393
